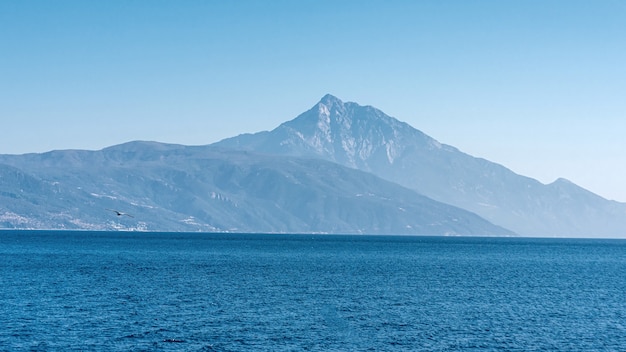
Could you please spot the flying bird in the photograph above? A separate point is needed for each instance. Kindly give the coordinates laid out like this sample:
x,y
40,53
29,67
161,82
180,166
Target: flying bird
x,y
119,213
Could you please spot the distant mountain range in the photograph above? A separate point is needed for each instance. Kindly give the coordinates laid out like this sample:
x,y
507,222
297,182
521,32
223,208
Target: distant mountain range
x,y
364,138
337,168
178,188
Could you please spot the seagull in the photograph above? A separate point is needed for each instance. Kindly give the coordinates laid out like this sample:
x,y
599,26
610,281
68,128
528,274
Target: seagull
x,y
119,213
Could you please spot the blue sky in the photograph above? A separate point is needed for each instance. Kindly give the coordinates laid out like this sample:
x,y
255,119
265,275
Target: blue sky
x,y
538,86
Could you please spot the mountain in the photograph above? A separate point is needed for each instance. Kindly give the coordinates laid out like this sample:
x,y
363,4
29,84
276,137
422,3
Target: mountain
x,y
168,187
364,138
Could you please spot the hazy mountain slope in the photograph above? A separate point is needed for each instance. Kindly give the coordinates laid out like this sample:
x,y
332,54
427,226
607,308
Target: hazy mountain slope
x,y
178,188
365,138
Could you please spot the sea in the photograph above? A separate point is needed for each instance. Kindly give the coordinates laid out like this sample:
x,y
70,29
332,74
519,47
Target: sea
x,y
142,291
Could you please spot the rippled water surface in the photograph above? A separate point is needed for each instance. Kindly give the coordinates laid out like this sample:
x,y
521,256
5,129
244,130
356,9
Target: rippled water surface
x,y
77,291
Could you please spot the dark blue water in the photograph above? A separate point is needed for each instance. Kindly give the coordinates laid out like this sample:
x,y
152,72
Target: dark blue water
x,y
77,291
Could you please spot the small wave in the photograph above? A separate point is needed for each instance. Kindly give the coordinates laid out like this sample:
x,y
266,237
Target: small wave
x,y
174,340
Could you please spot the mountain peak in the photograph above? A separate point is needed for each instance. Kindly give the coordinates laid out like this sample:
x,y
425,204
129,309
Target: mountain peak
x,y
330,100
329,104
563,181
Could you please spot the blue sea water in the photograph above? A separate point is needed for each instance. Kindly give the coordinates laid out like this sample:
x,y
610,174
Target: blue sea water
x,y
111,291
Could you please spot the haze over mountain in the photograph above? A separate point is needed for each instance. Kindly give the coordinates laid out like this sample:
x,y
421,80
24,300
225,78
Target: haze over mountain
x,y
337,168
179,188
364,138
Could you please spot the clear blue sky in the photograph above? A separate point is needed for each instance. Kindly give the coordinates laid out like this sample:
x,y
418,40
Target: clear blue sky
x,y
538,86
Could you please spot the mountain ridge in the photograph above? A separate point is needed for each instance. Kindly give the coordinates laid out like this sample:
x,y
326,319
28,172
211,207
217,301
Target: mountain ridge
x,y
169,187
322,166
365,138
